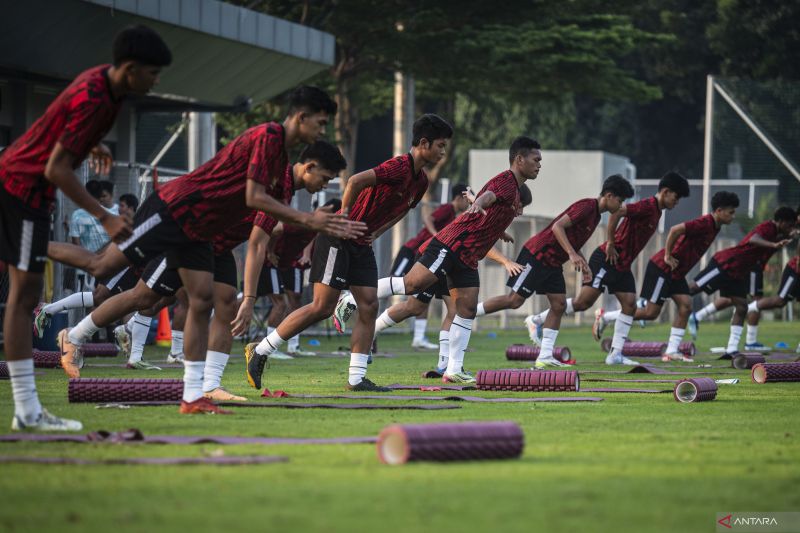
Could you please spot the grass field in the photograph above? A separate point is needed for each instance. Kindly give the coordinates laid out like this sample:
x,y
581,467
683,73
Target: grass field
x,y
634,462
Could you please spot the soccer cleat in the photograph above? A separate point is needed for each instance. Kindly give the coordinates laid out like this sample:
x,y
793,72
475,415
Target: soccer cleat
x,y
123,340
202,406
221,395
141,364
547,362
299,352
599,324
424,344
277,354
345,308
694,325
459,378
667,357
40,320
619,359
366,385
255,365
755,346
534,329
71,355
46,422
175,358
434,374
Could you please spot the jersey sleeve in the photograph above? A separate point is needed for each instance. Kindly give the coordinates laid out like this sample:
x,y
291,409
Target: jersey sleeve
x,y
505,189
391,172
441,216
258,164
767,230
83,122
265,222
580,211
694,226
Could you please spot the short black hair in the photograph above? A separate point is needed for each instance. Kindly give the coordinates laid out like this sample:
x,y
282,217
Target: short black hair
x,y
312,100
335,203
522,146
676,183
327,155
130,200
107,186
431,127
457,190
618,186
94,188
141,44
784,214
525,196
724,199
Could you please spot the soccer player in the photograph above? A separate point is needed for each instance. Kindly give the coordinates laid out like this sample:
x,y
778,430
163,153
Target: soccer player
x,y
32,167
543,255
666,272
379,197
128,204
455,251
610,263
728,270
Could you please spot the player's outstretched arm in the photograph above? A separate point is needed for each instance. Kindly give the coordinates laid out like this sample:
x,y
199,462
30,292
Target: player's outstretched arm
x,y
512,268
256,248
672,237
577,260
758,240
482,203
613,221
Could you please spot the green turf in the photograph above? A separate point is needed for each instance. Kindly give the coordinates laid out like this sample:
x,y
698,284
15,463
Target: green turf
x,y
629,463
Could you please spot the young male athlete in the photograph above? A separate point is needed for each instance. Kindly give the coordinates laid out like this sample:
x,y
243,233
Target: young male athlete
x,y
378,197
728,269
667,269
543,255
187,214
610,263
455,251
32,167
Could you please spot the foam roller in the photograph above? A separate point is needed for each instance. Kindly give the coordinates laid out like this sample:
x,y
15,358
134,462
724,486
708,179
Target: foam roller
x,y
100,390
526,352
771,373
100,349
464,441
46,359
649,348
528,380
687,348
695,390
746,361
4,374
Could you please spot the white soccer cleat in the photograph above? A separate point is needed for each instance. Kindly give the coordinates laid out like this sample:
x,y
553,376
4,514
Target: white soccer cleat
x,y
277,354
424,344
46,422
173,358
534,329
619,359
345,308
599,324
123,340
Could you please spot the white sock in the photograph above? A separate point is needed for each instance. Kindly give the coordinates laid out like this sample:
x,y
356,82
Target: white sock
x,y
481,310
444,349
753,307
705,312
294,343
459,340
752,334
177,342
549,337
383,322
270,343
83,331
270,329
214,367
569,309
391,285
420,326
23,385
675,338
358,368
621,329
140,327
193,380
73,301
611,316
734,338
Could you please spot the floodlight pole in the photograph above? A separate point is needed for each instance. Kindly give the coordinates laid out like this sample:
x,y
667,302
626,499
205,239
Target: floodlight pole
x,y
709,131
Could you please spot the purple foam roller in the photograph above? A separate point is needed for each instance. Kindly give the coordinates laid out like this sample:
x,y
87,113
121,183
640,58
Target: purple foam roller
x,y
687,348
526,352
100,349
746,361
463,441
111,390
777,372
46,359
528,380
644,349
695,390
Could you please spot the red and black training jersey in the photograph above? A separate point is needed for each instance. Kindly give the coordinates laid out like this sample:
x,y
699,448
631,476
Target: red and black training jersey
x,y
283,191
585,216
78,118
290,246
397,190
794,264
472,235
690,247
442,216
641,221
203,201
738,261
233,235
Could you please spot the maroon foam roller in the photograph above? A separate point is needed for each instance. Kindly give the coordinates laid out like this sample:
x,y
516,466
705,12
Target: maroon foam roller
x,y
687,348
695,390
746,361
463,441
776,372
46,359
4,374
526,352
605,344
100,349
108,390
637,348
528,380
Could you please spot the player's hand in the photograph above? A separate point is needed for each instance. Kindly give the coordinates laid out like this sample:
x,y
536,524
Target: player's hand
x,y
513,268
241,323
611,254
323,220
475,208
506,237
782,243
581,266
100,160
272,257
304,260
117,227
469,194
671,261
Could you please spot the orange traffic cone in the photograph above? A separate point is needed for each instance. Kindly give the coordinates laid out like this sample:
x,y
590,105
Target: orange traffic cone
x,y
164,333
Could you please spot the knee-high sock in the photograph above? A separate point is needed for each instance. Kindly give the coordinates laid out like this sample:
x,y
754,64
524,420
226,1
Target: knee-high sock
x,y
358,368
294,343
611,316
706,311
481,311
23,386
541,317
420,326
177,342
193,380
460,331
444,350
140,327
752,334
734,338
81,333
549,337
675,338
753,307
391,285
384,321
77,300
270,343
212,372
621,329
